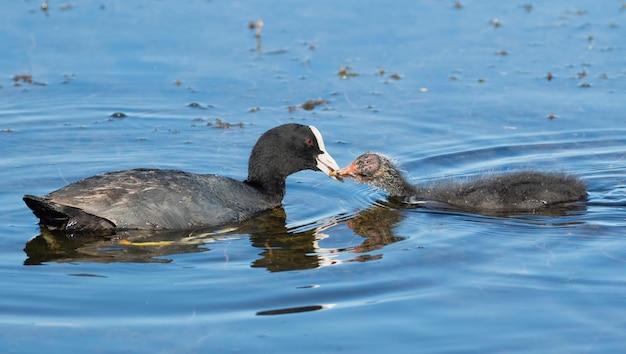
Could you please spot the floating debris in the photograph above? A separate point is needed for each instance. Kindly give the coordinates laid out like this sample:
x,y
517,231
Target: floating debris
x,y
255,109
395,76
26,79
118,115
585,85
258,26
220,124
458,5
495,23
549,76
345,72
308,105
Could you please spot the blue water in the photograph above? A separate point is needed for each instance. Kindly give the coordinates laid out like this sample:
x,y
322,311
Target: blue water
x,y
338,269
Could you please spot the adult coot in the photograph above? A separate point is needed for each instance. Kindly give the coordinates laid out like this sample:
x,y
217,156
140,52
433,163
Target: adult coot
x,y
171,199
517,191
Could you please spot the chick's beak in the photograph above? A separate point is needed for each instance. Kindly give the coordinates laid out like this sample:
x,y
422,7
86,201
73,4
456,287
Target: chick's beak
x,y
350,171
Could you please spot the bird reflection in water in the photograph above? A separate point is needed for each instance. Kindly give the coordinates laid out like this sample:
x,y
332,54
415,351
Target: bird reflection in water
x,y
282,249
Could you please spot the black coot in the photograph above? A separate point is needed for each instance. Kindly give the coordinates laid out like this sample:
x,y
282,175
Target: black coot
x,y
517,191
170,199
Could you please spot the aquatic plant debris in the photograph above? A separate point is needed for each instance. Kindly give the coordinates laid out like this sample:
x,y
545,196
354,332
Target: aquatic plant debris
x,y
394,76
345,72
257,34
26,79
308,105
221,124
258,25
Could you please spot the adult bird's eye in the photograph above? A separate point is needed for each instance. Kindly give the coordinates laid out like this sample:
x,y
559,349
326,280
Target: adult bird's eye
x,y
309,142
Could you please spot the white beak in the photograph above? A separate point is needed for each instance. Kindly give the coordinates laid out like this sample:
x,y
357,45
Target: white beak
x,y
325,162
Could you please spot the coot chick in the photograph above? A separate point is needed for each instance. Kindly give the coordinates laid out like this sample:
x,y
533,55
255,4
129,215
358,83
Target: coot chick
x,y
513,192
171,199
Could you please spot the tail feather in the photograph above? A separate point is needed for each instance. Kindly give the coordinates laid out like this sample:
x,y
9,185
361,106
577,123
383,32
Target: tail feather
x,y
55,216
